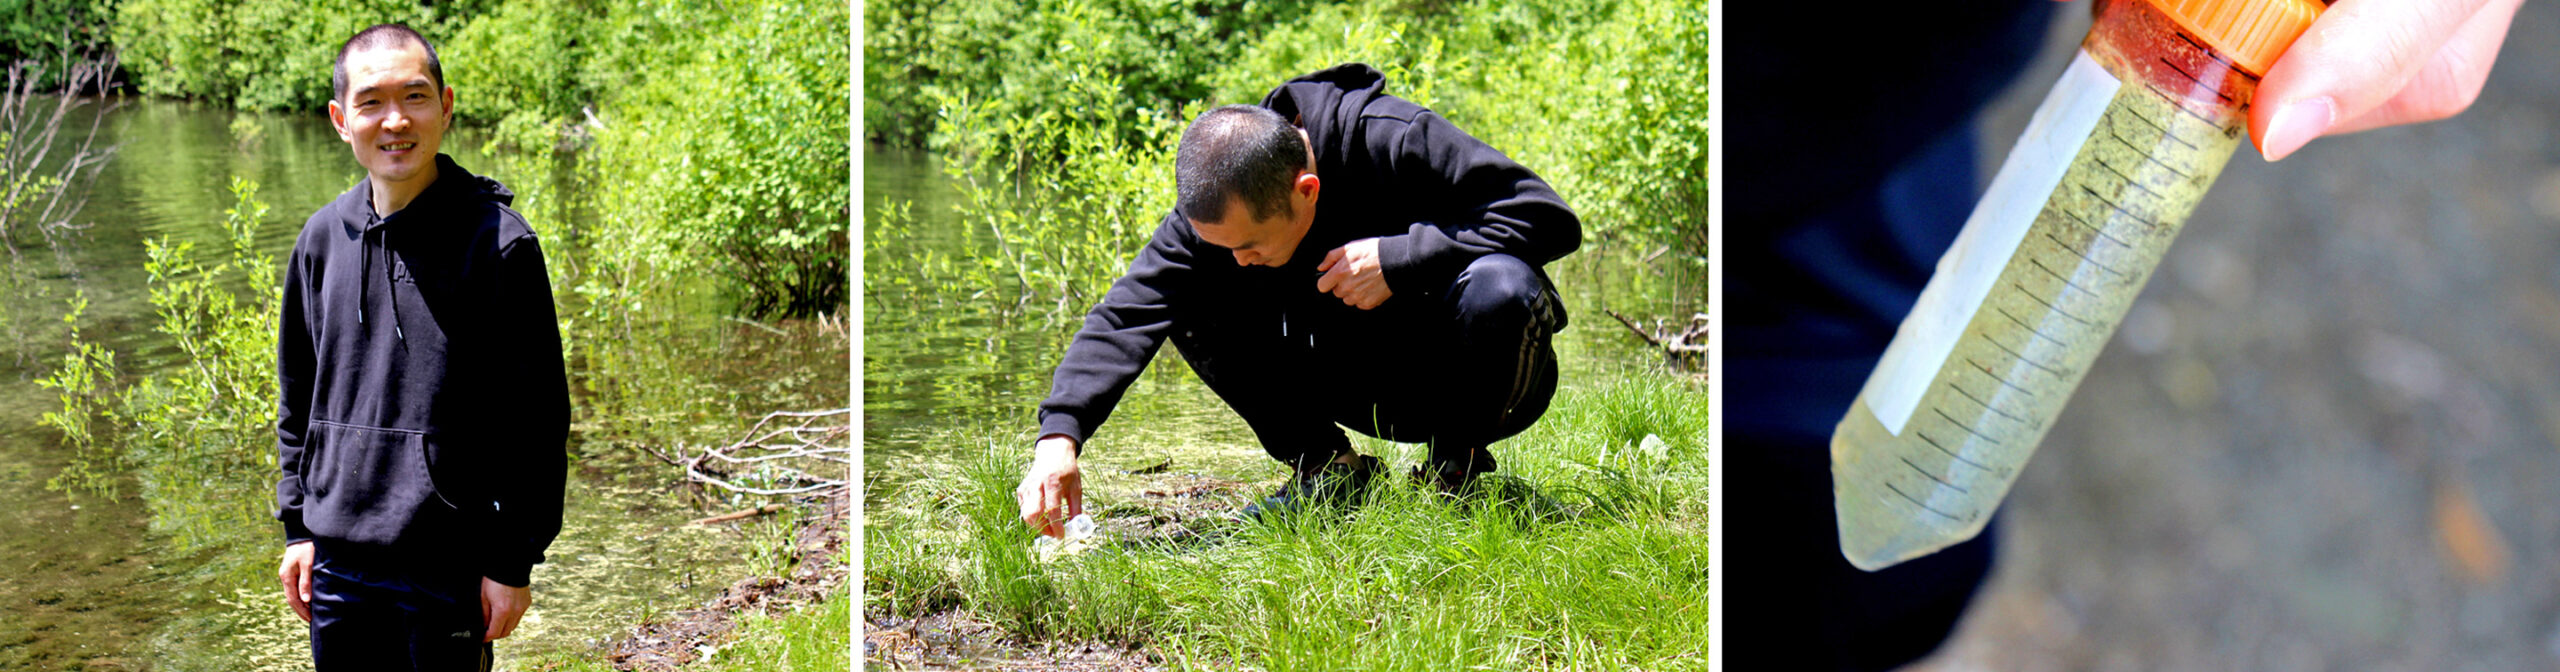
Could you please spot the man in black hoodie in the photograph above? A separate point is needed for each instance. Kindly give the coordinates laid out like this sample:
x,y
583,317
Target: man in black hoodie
x,y
425,411
1411,306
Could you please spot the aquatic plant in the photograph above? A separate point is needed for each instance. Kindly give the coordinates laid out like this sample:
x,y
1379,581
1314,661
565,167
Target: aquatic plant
x,y
200,435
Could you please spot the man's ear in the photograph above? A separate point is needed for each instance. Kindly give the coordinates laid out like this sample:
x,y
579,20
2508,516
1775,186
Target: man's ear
x,y
338,120
448,107
1306,187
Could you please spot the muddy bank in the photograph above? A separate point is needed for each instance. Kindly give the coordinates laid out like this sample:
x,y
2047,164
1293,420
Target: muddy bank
x,y
818,575
954,640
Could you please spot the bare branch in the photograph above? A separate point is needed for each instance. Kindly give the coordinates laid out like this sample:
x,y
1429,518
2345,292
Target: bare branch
x,y
784,453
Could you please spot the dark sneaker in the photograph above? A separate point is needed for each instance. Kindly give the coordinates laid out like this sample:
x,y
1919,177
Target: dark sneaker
x,y
1444,479
1337,484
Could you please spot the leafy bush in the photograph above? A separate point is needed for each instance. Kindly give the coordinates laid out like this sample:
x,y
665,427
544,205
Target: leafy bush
x,y
1026,56
1064,227
519,69
1605,100
732,160
45,29
254,54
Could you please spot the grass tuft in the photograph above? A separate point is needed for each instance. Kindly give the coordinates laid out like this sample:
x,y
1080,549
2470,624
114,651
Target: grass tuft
x,y
1579,555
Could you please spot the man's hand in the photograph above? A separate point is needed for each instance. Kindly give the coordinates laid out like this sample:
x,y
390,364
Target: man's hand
x,y
295,573
1052,491
2367,64
1352,273
501,605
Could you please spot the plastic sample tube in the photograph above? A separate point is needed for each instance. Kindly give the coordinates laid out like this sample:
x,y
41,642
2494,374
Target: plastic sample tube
x,y
2045,268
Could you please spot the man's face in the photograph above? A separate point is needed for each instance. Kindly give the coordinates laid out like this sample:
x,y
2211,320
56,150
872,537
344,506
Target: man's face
x,y
1270,241
393,115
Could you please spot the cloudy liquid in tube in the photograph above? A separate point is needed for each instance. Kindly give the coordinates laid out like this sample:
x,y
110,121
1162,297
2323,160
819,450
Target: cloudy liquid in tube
x,y
2082,210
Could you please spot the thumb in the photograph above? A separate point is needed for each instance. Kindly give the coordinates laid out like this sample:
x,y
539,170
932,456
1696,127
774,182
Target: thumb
x,y
2360,55
1330,258
303,582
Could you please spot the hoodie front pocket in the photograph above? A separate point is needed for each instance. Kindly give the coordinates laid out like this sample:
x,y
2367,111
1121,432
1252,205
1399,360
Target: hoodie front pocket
x,y
367,485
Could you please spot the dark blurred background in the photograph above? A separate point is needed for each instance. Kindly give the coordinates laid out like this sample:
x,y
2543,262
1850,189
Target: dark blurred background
x,y
2328,435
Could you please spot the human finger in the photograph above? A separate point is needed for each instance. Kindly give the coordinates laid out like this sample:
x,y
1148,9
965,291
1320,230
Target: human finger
x,y
2355,57
1330,258
1033,514
1046,519
505,625
1332,278
2451,79
298,599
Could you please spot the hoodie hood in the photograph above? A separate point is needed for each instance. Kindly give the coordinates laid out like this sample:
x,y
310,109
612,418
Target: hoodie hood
x,y
1338,96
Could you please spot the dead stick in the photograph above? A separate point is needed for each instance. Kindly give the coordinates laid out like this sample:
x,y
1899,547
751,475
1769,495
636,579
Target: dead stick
x,y
1631,326
740,515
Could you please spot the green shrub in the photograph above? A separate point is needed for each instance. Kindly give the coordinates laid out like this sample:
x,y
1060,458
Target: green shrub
x,y
733,162
1027,56
253,54
518,68
48,29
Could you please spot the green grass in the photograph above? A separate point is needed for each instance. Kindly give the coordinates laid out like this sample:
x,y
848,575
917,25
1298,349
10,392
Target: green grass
x,y
809,639
819,637
1590,554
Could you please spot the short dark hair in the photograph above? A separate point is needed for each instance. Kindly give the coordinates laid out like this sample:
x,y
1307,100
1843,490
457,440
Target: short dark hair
x,y
382,35
1236,150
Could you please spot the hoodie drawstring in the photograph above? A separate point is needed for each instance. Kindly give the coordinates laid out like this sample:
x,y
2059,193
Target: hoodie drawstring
x,y
364,286
392,281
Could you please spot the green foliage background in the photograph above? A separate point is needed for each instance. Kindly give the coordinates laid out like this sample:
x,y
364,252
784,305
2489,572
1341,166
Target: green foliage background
x,y
713,134
1061,124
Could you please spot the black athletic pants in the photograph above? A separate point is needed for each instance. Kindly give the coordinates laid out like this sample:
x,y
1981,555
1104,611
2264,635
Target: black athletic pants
x,y
1458,367
377,610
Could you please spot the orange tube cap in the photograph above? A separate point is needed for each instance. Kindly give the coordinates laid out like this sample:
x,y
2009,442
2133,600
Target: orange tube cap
x,y
2251,32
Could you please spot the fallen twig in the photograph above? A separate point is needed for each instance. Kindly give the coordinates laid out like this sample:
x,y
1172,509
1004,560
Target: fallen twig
x,y
740,515
778,456
1685,348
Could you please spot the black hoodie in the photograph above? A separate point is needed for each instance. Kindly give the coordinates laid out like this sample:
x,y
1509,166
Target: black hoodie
x,y
425,409
1435,197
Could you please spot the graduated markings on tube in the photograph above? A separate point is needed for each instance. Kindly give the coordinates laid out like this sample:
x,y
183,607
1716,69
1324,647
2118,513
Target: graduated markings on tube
x,y
1968,272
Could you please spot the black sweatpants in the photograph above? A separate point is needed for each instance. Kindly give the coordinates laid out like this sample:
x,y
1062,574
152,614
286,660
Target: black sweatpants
x,y
1458,367
376,610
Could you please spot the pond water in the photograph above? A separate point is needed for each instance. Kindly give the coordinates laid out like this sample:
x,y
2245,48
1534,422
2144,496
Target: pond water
x,y
952,364
90,585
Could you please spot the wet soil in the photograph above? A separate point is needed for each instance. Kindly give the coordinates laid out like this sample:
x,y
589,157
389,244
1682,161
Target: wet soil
x,y
818,576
